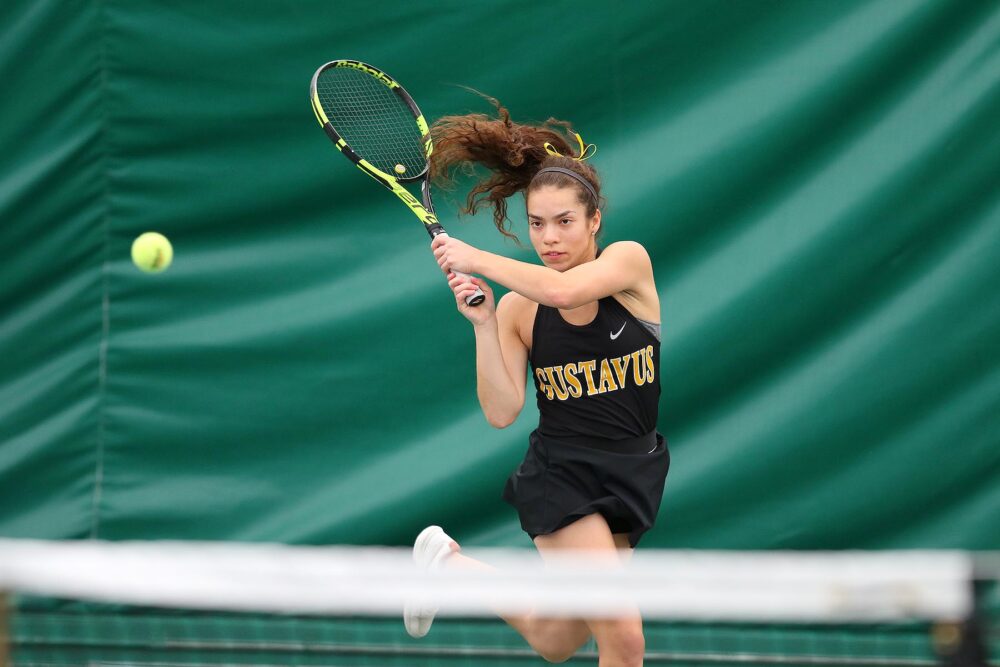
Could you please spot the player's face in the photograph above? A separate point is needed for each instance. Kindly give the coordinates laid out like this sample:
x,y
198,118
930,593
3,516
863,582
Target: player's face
x,y
561,232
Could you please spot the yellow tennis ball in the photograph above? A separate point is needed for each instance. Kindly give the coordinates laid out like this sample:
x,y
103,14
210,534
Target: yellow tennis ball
x,y
400,169
152,252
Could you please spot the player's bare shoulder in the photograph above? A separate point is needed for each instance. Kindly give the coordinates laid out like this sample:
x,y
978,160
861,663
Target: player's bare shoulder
x,y
518,313
630,251
641,299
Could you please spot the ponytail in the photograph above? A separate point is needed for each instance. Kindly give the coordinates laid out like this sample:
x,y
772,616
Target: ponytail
x,y
513,154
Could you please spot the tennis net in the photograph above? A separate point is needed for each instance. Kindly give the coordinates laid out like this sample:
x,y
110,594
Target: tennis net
x,y
171,603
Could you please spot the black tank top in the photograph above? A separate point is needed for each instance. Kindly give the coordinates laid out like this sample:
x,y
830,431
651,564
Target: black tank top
x,y
598,380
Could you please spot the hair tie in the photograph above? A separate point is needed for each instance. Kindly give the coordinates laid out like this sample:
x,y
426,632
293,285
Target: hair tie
x,y
585,152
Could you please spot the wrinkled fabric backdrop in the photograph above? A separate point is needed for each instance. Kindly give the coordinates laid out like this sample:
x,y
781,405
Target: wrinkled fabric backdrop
x,y
817,183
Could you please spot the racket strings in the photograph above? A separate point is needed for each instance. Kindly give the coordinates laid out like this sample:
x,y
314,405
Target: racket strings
x,y
374,121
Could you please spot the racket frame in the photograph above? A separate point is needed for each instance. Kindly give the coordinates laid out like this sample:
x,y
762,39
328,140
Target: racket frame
x,y
423,212
422,208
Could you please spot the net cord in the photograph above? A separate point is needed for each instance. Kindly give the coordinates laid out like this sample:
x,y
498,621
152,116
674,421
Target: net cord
x,y
758,586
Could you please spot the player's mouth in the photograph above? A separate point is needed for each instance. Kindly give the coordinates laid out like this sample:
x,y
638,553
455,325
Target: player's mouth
x,y
553,255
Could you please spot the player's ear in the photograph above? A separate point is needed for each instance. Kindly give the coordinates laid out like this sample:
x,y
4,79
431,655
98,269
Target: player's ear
x,y
595,223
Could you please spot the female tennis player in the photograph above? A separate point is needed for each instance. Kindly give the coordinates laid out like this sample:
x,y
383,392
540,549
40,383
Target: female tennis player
x,y
588,322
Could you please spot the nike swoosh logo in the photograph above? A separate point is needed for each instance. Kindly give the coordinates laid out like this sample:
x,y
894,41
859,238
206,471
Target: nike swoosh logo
x,y
615,335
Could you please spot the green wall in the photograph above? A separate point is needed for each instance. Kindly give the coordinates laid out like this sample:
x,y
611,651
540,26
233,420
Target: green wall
x,y
817,183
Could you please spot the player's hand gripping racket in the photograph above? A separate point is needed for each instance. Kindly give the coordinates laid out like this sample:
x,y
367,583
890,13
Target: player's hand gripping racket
x,y
378,127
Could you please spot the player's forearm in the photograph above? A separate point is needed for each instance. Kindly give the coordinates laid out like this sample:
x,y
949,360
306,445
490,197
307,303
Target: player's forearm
x,y
537,283
499,397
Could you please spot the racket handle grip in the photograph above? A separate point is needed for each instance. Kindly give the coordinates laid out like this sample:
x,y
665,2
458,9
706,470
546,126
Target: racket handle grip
x,y
476,298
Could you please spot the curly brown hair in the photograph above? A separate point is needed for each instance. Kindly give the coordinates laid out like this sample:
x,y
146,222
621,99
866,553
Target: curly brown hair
x,y
513,153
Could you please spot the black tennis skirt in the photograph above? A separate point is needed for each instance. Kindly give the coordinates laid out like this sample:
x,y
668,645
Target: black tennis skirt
x,y
561,481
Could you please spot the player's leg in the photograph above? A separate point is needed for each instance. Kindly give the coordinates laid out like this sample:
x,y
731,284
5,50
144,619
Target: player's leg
x,y
620,641
554,639
624,548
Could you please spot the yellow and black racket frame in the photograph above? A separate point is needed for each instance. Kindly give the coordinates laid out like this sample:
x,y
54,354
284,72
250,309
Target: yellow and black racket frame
x,y
424,210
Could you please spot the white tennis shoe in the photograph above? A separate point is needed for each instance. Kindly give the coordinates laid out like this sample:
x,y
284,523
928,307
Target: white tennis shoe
x,y
430,549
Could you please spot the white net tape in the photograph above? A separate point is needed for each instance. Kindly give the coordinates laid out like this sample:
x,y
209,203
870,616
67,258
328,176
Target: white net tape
x,y
699,585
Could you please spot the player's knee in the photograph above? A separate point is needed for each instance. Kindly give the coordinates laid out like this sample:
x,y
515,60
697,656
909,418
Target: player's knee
x,y
631,646
634,646
556,645
626,643
555,652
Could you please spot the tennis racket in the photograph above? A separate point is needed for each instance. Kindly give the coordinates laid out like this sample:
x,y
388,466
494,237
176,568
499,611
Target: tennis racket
x,y
376,125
